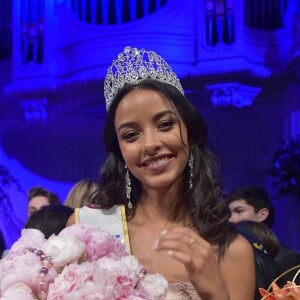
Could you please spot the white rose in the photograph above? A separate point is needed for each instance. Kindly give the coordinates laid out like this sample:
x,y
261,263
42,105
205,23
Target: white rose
x,y
154,285
63,250
131,262
18,291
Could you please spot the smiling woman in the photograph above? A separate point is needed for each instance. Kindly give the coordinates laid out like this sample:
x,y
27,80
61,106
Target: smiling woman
x,y
153,145
159,193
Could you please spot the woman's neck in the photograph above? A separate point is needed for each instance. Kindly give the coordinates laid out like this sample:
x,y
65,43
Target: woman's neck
x,y
155,205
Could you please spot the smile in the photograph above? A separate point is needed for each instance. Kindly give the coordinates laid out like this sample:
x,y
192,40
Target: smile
x,y
157,162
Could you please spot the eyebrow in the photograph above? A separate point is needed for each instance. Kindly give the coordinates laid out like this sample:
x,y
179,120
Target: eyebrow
x,y
155,118
238,207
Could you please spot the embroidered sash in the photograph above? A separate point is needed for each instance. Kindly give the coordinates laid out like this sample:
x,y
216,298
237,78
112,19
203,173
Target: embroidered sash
x,y
112,220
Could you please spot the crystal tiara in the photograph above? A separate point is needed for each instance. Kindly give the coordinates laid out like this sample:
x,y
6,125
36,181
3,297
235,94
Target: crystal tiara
x,y
134,65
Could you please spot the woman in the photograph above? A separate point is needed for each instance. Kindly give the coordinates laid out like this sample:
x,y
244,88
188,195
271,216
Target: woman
x,y
158,185
81,192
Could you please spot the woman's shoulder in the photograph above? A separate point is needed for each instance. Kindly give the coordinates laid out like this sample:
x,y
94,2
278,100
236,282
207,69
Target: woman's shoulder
x,y
239,256
238,266
240,247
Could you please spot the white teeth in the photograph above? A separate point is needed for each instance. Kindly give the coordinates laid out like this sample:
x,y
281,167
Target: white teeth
x,y
158,162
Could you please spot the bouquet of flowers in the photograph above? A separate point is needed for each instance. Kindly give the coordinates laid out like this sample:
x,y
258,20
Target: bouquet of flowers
x,y
81,262
290,291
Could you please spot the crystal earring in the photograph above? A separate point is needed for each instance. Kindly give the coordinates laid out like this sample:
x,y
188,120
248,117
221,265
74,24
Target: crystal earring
x,y
128,188
191,170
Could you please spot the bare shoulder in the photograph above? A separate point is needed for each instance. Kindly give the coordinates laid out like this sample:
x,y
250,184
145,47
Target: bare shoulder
x,y
240,247
71,220
238,266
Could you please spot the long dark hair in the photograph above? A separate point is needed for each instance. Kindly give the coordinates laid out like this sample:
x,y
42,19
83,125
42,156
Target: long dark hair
x,y
205,210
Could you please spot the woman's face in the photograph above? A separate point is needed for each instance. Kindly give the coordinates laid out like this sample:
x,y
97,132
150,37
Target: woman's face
x,y
153,141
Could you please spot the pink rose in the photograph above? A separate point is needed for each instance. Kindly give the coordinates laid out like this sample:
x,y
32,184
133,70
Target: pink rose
x,y
30,238
154,285
105,279
73,277
99,243
118,279
23,269
92,263
18,291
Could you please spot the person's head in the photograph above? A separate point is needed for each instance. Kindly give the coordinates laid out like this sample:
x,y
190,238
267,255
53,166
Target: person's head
x,y
50,219
80,193
250,203
156,139
39,197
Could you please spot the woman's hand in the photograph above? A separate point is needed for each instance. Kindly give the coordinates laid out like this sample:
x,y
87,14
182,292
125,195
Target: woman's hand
x,y
199,259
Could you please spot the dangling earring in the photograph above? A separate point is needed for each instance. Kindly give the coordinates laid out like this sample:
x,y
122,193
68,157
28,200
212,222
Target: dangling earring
x,y
128,188
191,170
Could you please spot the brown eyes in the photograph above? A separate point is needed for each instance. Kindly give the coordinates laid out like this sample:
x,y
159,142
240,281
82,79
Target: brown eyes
x,y
166,125
129,135
132,134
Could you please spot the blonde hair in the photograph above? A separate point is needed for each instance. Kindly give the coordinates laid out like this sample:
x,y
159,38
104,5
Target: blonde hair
x,y
80,193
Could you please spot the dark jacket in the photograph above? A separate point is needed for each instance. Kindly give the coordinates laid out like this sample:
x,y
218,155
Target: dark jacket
x,y
286,259
266,268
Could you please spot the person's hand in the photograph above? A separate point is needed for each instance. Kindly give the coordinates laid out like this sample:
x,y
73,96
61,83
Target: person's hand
x,y
199,259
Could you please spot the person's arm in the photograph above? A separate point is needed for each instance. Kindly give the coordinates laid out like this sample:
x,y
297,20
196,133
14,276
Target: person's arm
x,y
199,259
233,278
71,220
238,270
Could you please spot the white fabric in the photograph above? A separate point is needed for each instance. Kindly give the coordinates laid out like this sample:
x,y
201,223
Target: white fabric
x,y
109,219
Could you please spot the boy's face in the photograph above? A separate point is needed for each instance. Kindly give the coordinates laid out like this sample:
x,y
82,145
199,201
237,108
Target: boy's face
x,y
36,203
242,211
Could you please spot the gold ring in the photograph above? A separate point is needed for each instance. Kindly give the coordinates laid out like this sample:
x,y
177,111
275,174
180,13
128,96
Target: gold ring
x,y
191,241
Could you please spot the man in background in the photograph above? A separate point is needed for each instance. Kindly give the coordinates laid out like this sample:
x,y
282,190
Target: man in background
x,y
252,203
39,197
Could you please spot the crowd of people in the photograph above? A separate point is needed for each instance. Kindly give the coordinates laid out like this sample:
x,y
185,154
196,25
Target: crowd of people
x,y
253,203
159,192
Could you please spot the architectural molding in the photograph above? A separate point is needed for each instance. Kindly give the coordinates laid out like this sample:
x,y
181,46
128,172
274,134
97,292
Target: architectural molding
x,y
232,94
35,110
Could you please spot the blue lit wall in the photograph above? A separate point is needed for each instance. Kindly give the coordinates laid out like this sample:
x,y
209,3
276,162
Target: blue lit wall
x,y
52,106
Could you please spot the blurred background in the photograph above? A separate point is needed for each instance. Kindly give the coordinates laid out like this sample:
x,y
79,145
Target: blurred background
x,y
238,60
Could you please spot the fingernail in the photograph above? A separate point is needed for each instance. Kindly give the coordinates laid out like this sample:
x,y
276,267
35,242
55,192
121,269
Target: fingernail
x,y
155,246
164,232
170,252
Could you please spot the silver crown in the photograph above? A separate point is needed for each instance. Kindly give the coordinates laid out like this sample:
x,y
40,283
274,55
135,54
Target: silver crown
x,y
134,65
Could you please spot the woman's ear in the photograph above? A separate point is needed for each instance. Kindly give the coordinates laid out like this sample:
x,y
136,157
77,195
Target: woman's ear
x,y
263,214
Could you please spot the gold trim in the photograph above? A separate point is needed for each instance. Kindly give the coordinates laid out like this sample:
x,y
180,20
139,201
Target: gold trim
x,y
125,227
76,214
